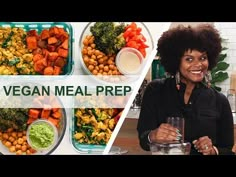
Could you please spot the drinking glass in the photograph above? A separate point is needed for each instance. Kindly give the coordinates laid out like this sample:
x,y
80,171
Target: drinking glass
x,y
177,122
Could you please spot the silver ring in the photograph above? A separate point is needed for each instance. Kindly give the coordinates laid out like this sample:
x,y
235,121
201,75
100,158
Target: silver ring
x,y
206,147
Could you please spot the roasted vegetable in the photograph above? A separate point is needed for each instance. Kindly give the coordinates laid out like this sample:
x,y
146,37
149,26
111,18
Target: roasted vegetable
x,y
13,118
94,125
108,36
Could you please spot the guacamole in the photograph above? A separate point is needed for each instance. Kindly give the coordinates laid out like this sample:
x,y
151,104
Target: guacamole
x,y
41,135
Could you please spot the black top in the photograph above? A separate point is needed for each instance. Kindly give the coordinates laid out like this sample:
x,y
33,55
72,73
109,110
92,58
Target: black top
x,y
207,113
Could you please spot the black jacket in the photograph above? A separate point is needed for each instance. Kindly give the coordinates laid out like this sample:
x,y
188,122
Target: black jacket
x,y
207,113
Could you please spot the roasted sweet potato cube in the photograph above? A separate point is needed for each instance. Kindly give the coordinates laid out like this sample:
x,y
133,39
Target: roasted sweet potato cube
x,y
32,33
51,48
60,62
45,34
52,40
37,57
37,51
63,52
65,44
53,31
57,70
52,56
31,42
34,113
42,44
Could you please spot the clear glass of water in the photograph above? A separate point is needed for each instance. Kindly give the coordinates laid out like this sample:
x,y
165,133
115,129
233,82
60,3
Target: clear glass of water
x,y
177,122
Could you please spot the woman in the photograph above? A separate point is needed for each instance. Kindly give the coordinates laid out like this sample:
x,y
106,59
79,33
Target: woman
x,y
188,54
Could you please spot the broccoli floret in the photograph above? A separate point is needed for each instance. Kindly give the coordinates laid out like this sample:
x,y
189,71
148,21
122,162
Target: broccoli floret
x,y
119,42
119,29
106,36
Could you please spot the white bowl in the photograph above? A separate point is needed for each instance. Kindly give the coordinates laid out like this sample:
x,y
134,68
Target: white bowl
x,y
46,133
129,61
86,31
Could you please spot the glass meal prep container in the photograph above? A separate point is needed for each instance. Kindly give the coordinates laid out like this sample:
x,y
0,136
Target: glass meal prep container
x,y
95,59
91,128
36,48
14,123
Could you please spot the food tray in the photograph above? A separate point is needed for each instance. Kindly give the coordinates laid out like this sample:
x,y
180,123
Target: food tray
x,y
85,148
62,124
145,32
39,26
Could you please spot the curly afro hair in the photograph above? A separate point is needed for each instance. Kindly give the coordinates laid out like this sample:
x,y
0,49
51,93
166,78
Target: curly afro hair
x,y
174,42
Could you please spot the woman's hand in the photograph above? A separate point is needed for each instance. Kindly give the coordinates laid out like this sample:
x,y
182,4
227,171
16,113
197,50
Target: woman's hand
x,y
165,132
204,145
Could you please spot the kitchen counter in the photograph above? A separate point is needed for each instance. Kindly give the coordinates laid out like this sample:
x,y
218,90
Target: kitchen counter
x,y
127,138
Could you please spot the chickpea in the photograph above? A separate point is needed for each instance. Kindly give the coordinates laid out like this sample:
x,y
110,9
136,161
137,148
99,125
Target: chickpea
x,y
24,138
95,72
95,63
105,58
24,148
90,67
84,51
18,147
5,136
85,42
110,62
15,142
4,141
12,149
91,40
86,59
101,61
90,48
114,72
20,141
111,66
93,46
14,134
94,57
97,68
24,132
91,61
99,56
106,68
8,144
101,66
28,152
11,139
19,134
109,72
90,52
19,152
97,52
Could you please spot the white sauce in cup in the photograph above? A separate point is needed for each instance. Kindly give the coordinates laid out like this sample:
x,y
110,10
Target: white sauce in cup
x,y
129,61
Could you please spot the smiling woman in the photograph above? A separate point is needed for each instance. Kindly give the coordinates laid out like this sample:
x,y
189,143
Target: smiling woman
x,y
188,54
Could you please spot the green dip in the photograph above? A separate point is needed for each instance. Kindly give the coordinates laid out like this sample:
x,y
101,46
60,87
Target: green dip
x,y
41,135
